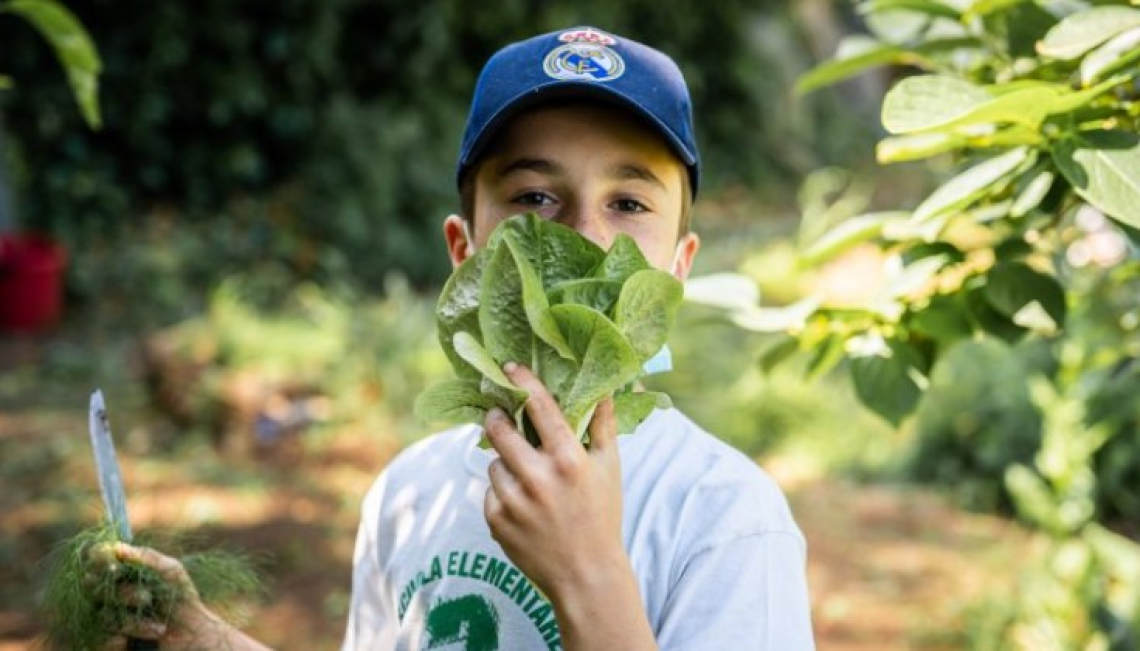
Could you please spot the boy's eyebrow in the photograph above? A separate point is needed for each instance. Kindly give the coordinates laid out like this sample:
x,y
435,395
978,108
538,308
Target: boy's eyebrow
x,y
632,172
538,165
620,172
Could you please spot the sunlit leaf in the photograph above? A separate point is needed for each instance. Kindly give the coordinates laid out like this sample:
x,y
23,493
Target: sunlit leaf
x,y
981,8
73,47
855,55
972,184
729,291
1070,101
1080,32
930,7
1033,193
1104,169
1119,52
897,149
789,318
927,102
846,234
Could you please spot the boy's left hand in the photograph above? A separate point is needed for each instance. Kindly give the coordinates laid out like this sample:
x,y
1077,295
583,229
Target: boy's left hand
x,y
557,510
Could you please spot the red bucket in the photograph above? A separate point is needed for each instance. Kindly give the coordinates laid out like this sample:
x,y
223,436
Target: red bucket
x,y
31,282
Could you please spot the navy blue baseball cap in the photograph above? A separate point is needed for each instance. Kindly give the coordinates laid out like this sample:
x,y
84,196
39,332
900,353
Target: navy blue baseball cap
x,y
583,62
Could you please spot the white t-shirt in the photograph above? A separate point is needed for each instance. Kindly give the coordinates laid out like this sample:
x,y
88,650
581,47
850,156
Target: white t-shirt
x,y
720,562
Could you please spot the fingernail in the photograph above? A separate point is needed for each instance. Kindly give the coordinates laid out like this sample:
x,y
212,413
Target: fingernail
x,y
510,367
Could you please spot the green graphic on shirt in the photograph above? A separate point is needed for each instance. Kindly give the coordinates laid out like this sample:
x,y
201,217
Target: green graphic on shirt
x,y
471,618
447,626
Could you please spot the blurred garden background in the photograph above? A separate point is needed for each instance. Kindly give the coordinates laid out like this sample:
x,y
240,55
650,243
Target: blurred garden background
x,y
938,364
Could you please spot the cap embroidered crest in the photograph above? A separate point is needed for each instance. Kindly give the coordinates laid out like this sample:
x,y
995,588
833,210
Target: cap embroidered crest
x,y
586,56
587,63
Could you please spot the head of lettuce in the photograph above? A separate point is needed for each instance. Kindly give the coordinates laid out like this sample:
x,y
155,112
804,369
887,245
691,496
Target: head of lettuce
x,y
583,319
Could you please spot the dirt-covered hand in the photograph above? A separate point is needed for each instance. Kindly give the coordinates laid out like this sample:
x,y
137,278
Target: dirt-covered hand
x,y
191,625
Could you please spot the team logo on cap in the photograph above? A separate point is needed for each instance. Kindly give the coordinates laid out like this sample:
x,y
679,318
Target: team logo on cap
x,y
585,56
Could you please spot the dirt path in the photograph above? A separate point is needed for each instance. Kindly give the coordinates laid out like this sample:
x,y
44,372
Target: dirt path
x,y
897,567
889,567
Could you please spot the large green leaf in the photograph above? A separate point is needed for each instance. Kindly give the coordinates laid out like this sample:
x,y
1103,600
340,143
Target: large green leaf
x,y
854,55
457,309
980,8
534,299
926,102
477,356
555,251
930,7
1120,52
631,408
606,361
898,149
1078,33
453,401
1104,169
73,47
887,379
646,310
1021,293
598,293
972,184
1032,189
503,319
846,234
622,260
942,319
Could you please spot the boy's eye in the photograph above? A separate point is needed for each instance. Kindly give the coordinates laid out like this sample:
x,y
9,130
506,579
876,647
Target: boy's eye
x,y
533,199
629,205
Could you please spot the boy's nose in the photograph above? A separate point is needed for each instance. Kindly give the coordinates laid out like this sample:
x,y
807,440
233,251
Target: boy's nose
x,y
592,225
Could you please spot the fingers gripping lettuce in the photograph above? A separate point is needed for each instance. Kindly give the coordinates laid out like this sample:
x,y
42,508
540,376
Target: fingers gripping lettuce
x,y
583,319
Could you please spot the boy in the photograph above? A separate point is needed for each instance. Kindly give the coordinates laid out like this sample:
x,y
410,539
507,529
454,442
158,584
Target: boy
x,y
663,538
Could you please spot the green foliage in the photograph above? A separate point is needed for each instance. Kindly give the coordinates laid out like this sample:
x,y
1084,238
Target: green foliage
x,y
90,596
73,48
583,319
1005,327
1039,125
321,136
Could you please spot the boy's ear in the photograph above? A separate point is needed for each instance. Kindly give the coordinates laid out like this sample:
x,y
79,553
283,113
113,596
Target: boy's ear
x,y
684,254
458,239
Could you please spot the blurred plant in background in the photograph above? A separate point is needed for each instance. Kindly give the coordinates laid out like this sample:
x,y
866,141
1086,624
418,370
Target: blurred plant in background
x,y
322,135
997,321
252,378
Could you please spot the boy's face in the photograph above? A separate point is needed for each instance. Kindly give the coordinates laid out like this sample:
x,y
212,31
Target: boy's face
x,y
593,168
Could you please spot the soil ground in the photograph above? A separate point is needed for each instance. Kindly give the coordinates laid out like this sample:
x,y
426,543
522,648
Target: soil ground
x,y
890,567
